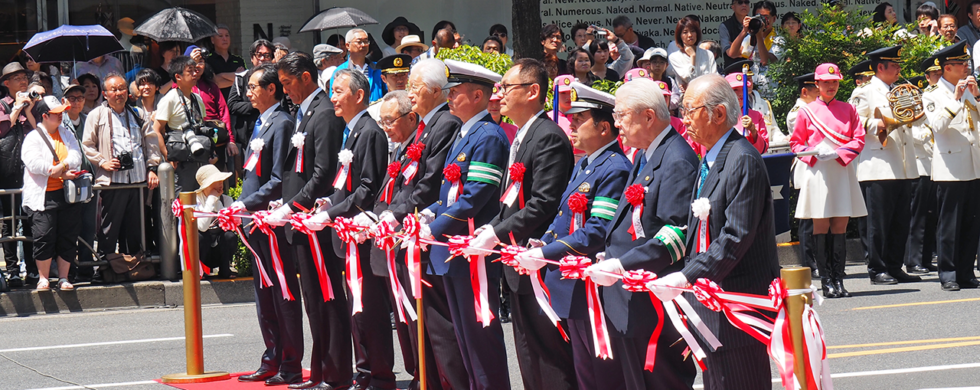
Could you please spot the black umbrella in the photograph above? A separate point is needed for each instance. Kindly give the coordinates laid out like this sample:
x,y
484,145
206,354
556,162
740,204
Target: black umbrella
x,y
72,43
338,17
177,24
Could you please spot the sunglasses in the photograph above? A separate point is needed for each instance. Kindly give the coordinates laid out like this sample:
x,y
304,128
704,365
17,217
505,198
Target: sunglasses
x,y
742,2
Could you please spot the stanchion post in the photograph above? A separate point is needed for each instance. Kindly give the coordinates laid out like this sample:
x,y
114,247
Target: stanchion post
x,y
166,226
193,333
421,328
796,278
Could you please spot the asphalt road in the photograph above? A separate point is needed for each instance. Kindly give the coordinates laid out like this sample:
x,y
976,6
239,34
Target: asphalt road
x,y
907,336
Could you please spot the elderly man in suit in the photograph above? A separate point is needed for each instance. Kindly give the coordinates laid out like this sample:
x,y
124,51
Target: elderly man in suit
x,y
661,182
587,207
469,197
741,254
359,178
309,170
279,318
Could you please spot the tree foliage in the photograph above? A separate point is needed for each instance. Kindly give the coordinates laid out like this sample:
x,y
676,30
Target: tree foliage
x,y
497,63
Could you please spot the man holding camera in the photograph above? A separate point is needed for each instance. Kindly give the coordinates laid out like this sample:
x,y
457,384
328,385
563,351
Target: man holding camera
x,y
115,143
181,111
15,122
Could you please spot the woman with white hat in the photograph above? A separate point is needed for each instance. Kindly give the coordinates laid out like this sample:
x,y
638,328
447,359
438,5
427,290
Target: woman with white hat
x,y
216,245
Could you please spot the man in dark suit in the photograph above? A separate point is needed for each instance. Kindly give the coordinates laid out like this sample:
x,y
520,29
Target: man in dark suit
x,y
279,317
662,178
360,177
473,173
415,187
741,254
529,204
242,112
587,207
309,170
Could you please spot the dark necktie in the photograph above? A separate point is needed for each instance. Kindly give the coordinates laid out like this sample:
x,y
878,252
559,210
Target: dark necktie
x,y
585,164
703,175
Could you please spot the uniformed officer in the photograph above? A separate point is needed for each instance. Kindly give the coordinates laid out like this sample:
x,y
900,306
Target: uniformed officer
x,y
922,229
951,114
808,93
587,206
471,191
394,73
885,171
861,72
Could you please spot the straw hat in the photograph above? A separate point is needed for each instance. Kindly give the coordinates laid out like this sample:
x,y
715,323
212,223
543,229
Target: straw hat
x,y
126,26
411,40
208,175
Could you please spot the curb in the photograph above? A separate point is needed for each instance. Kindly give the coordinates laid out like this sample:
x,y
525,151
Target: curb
x,y
153,293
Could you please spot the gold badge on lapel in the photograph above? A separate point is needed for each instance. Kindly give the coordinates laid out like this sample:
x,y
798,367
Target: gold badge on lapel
x,y
646,178
585,187
461,157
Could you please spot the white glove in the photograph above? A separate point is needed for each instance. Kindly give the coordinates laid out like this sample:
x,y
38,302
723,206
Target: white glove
x,y
529,259
662,286
322,204
535,243
389,218
239,206
599,272
426,216
600,256
317,222
275,204
280,217
484,241
366,219
826,153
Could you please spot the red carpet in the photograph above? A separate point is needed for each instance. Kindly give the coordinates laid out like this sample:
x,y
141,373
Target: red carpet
x,y
232,383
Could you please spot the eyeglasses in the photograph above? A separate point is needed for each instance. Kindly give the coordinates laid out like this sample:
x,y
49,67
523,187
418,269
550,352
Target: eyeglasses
x,y
265,56
387,123
76,98
505,88
743,2
619,115
361,42
19,78
117,90
684,111
555,36
252,87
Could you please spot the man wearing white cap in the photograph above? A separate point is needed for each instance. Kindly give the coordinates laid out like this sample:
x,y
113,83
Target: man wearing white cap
x,y
473,173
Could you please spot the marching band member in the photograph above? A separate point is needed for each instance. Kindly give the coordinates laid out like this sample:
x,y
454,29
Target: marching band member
x,y
922,237
808,93
751,126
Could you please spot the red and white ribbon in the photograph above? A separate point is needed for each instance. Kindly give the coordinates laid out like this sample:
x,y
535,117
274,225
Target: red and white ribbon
x,y
388,192
453,174
414,153
348,234
578,204
635,194
636,281
299,141
573,267
258,222
185,256
541,294
481,299
701,208
412,243
815,349
255,159
297,221
739,315
228,222
384,234
344,157
514,190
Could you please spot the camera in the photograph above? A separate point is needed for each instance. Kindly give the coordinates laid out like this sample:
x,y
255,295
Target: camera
x,y
756,23
198,149
33,95
125,161
598,31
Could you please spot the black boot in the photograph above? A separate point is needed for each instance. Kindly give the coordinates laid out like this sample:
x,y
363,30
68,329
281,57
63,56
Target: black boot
x,y
838,256
826,283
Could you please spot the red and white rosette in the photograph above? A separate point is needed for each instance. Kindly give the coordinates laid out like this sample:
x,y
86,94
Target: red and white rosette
x,y
573,267
636,281
414,153
412,233
258,222
345,157
453,174
299,140
348,234
578,204
228,222
255,159
384,237
635,194
514,192
389,190
814,344
299,223
701,208
739,315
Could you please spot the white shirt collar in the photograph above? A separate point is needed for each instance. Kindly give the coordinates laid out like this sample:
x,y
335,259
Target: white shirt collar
x,y
656,142
264,117
432,112
947,84
879,84
353,121
716,148
598,153
472,122
309,99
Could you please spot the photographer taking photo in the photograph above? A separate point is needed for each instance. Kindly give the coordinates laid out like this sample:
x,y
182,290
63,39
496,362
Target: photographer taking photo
x,y
116,143
179,121
755,40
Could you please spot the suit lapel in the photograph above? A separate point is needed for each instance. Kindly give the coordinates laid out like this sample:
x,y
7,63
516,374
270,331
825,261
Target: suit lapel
x,y
714,173
522,149
356,130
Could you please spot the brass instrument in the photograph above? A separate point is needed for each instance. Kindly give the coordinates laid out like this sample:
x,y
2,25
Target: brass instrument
x,y
906,104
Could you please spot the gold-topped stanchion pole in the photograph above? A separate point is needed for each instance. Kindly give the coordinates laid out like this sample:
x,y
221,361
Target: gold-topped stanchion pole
x,y
796,278
193,334
421,327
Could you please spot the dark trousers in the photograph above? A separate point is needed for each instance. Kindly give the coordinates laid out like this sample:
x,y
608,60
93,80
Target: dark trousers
x,y
889,212
745,367
958,229
544,356
55,229
807,253
482,349
591,372
87,233
280,321
185,176
443,363
374,352
10,229
217,248
331,356
922,229
671,371
120,221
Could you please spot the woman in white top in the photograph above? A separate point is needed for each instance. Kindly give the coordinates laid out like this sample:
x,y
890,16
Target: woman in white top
x,y
56,222
689,61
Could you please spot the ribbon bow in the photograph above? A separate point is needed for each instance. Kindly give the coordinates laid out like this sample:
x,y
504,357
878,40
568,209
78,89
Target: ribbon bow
x,y
457,244
412,231
514,192
577,205
635,194
636,280
347,232
452,173
259,222
389,190
706,292
508,256
573,267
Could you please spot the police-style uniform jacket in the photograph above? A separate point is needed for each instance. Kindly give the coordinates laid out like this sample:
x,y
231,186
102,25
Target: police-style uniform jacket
x,y
896,159
956,154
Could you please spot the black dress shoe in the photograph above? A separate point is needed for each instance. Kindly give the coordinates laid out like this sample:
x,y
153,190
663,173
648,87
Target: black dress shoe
x,y
325,386
883,278
932,268
903,277
257,376
303,385
917,269
284,379
969,283
951,286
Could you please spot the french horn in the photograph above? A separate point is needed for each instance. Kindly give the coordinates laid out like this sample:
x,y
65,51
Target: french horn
x,y
906,105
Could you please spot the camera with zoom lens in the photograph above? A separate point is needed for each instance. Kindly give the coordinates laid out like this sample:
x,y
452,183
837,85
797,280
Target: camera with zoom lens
x,y
125,161
193,139
33,95
756,23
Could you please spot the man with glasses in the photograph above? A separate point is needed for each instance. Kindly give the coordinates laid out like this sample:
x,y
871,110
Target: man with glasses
x,y
733,30
115,144
499,31
623,28
243,114
15,122
358,46
74,120
179,108
886,169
